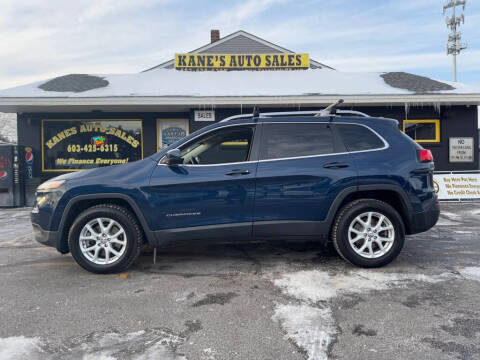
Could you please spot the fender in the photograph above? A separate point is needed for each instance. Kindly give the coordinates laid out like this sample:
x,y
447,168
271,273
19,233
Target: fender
x,y
138,213
353,189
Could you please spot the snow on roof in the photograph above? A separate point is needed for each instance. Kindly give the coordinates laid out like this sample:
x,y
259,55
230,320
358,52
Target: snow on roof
x,y
165,83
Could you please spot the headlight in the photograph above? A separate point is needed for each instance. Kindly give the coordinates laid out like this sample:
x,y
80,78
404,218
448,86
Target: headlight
x,y
49,185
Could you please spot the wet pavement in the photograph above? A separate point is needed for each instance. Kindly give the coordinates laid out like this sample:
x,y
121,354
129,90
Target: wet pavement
x,y
245,301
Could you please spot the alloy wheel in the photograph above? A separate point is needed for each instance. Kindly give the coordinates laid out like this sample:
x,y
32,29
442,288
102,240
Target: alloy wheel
x,y
371,235
103,241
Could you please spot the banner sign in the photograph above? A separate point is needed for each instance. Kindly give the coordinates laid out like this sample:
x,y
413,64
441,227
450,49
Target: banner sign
x,y
69,145
204,115
241,61
457,186
461,149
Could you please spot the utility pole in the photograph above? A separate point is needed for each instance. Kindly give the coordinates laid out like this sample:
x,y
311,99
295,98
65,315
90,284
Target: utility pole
x,y
454,46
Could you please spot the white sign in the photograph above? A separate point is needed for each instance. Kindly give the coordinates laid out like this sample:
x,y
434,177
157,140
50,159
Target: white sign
x,y
204,115
461,149
457,186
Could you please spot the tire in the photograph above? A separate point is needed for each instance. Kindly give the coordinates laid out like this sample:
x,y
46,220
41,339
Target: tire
x,y
374,246
104,248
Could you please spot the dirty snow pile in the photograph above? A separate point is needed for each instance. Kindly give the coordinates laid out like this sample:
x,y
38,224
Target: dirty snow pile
x,y
308,319
141,345
8,127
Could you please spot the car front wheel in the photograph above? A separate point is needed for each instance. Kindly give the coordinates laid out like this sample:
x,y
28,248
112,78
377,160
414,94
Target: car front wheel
x,y
368,233
105,238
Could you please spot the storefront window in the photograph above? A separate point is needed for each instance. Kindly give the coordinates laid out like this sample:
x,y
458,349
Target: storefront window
x,y
423,131
70,145
170,131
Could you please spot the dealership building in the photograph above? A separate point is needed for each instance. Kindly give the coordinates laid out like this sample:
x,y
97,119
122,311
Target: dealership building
x,y
79,121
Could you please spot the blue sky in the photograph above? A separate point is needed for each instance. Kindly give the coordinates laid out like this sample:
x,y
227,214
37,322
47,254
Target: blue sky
x,y
41,39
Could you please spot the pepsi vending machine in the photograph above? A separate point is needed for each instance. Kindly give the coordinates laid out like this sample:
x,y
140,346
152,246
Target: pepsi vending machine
x,y
12,191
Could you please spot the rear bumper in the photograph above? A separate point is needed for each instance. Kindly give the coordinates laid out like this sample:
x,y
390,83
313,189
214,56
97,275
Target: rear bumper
x,y
422,221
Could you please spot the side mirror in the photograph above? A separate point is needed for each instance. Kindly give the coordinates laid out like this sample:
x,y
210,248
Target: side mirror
x,y
173,157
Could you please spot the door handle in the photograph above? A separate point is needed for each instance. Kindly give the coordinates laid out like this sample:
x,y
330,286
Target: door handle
x,y
238,172
335,165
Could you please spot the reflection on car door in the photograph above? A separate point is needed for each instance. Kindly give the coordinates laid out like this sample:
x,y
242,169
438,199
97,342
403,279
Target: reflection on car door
x,y
211,195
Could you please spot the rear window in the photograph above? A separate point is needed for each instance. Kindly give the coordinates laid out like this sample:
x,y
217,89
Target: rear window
x,y
357,137
293,140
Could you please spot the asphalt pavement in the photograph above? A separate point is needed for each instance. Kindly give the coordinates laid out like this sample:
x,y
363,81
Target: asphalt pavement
x,y
245,301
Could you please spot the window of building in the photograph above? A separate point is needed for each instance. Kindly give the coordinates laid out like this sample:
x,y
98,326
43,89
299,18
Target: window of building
x,y
77,144
292,140
358,138
426,131
228,145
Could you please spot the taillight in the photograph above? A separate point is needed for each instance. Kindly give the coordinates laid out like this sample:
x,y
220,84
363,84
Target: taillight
x,y
425,155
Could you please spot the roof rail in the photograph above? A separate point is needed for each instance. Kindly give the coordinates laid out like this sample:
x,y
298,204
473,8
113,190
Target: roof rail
x,y
291,113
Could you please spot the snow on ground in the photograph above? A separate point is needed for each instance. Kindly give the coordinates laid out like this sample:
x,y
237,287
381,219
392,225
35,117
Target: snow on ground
x,y
314,285
20,348
310,328
8,127
470,273
141,345
311,325
462,217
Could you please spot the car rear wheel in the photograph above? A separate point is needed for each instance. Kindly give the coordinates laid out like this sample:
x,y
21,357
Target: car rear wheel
x,y
105,238
368,233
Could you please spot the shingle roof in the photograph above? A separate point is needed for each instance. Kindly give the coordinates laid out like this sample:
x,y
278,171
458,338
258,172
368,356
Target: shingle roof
x,y
415,83
74,83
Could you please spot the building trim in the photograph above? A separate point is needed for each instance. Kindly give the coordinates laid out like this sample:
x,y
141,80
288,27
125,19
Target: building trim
x,y
26,104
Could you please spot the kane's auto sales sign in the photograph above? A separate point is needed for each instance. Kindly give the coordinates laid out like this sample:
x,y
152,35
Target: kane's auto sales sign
x,y
241,61
77,144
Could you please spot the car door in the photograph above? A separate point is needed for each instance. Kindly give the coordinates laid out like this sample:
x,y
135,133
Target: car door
x,y
302,168
211,194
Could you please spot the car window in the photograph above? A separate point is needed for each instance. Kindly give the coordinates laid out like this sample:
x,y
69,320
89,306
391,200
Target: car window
x,y
357,137
296,139
226,145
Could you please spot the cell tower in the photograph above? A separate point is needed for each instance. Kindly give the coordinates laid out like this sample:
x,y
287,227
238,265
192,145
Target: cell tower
x,y
454,46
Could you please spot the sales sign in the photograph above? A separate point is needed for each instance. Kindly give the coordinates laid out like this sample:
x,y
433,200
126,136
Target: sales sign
x,y
241,61
461,149
70,145
204,115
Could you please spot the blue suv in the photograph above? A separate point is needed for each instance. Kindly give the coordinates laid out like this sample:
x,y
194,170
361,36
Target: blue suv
x,y
345,178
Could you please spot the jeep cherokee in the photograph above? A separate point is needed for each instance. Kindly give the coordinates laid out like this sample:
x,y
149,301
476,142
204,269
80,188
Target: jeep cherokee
x,y
355,181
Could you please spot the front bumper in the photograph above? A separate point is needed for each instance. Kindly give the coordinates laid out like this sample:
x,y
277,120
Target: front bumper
x,y
45,237
422,221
